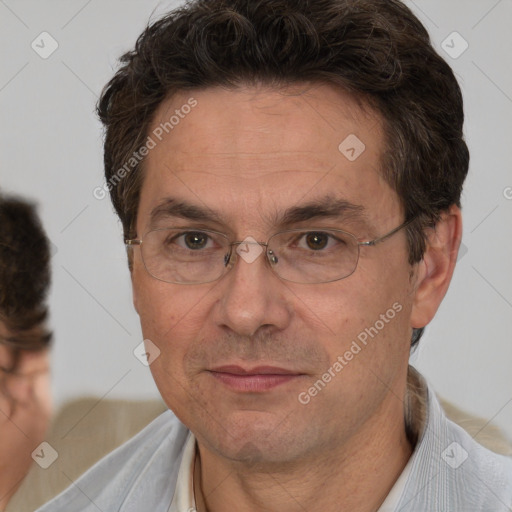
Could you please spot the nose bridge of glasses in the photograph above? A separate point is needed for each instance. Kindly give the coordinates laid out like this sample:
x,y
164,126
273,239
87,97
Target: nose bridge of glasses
x,y
243,250
248,240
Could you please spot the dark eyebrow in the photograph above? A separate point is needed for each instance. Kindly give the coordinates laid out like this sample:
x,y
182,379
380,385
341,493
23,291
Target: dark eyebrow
x,y
327,207
174,208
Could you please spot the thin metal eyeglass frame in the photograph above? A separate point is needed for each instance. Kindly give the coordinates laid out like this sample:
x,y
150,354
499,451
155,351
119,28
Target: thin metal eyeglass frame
x,y
365,243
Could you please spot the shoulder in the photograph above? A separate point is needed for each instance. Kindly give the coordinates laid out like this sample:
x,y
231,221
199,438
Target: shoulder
x,y
83,431
451,471
147,462
486,475
480,429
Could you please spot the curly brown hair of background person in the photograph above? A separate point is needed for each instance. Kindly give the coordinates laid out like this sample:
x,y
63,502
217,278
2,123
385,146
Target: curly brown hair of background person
x,y
24,278
375,49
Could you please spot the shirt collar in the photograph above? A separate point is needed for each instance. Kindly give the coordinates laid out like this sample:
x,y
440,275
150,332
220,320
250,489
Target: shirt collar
x,y
183,500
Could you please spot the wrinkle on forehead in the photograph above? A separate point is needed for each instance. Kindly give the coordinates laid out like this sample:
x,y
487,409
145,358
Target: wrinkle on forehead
x,y
253,154
260,109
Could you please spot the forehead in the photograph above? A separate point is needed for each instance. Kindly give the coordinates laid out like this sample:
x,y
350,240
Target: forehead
x,y
249,149
252,119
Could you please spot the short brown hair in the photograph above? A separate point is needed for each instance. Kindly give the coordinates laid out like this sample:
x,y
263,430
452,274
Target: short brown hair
x,y
375,49
24,275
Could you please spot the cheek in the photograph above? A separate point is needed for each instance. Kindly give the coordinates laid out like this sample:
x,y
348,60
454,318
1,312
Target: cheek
x,y
341,310
171,316
154,302
44,396
365,322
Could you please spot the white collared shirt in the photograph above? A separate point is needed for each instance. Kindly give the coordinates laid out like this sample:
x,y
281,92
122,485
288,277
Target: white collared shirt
x,y
184,500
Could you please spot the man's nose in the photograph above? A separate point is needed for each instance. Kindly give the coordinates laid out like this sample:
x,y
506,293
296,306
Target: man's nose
x,y
252,296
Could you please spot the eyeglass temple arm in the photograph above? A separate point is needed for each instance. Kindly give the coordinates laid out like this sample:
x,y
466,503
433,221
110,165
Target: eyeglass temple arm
x,y
375,241
133,241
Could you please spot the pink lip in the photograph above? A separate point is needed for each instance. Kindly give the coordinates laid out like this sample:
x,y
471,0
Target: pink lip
x,y
257,370
260,378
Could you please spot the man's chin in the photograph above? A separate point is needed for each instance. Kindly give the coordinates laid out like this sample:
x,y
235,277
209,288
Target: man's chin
x,y
253,437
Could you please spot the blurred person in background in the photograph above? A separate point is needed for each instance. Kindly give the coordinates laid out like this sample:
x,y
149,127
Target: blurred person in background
x,y
25,404
83,430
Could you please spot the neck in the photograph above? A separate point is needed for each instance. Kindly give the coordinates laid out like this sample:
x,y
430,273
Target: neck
x,y
355,476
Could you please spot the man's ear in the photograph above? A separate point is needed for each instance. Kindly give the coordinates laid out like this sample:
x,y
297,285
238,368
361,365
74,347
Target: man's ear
x,y
134,294
131,257
435,270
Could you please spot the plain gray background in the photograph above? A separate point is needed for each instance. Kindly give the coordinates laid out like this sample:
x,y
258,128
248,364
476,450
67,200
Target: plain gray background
x,y
50,151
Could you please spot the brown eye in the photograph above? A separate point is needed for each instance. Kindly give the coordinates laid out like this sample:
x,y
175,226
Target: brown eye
x,y
317,241
195,240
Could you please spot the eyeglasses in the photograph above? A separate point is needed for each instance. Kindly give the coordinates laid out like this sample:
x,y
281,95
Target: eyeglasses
x,y
305,256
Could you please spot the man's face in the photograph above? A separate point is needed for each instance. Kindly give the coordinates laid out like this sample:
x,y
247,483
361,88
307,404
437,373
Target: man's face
x,y
249,155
